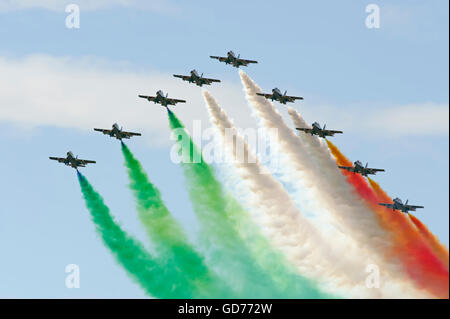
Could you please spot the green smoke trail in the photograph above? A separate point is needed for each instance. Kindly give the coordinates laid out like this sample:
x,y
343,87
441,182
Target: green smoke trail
x,y
286,277
252,269
155,278
169,238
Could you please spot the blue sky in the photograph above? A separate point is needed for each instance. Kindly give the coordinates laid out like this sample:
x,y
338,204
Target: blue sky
x,y
386,88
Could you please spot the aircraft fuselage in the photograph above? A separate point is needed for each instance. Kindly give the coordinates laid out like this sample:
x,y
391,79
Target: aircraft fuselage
x,y
161,99
196,78
278,96
359,168
232,59
71,161
398,204
317,130
115,132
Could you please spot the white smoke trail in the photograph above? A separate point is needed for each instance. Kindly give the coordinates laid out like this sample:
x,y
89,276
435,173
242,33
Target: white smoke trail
x,y
287,228
338,188
334,184
304,173
357,218
336,199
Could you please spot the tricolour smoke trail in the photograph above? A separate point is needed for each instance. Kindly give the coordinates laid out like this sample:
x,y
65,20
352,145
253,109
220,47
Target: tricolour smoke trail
x,y
339,187
304,174
440,250
157,280
215,210
421,264
345,208
280,214
302,171
170,241
289,230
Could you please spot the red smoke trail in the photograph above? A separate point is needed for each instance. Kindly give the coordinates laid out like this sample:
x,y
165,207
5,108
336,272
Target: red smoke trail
x,y
440,250
421,264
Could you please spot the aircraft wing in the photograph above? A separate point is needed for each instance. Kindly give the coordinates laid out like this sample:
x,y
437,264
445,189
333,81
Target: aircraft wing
x,y
293,98
150,98
175,101
347,168
220,58
331,132
84,162
413,207
103,131
59,159
306,130
266,95
374,170
129,134
210,80
245,62
183,77
386,205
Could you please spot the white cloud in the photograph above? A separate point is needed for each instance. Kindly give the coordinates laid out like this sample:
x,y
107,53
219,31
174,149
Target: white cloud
x,y
82,94
85,93
59,5
420,119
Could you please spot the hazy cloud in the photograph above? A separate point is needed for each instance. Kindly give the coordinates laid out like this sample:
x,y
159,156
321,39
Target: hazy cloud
x,y
58,5
384,121
84,93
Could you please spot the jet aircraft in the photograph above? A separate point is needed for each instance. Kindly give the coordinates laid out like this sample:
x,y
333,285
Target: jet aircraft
x,y
117,132
72,161
232,59
194,77
317,130
280,97
162,99
398,204
363,170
